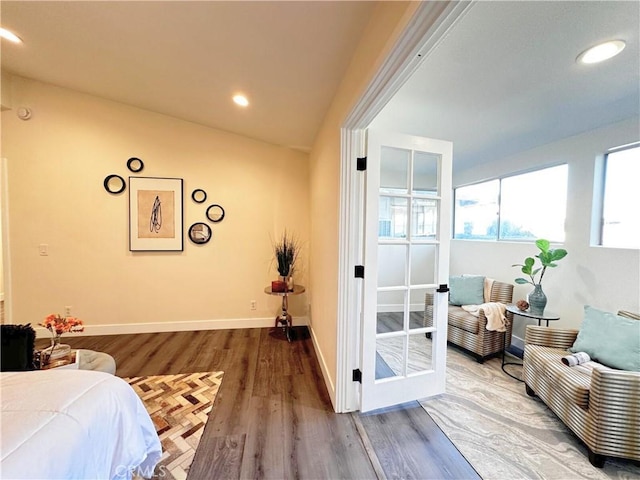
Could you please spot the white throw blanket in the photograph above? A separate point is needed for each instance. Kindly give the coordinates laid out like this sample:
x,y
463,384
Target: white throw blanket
x,y
495,313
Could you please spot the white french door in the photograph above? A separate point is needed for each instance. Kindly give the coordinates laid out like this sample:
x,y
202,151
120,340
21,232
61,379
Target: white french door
x,y
407,231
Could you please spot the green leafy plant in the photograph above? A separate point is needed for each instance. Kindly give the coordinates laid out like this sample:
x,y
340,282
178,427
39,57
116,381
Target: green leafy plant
x,y
547,257
286,250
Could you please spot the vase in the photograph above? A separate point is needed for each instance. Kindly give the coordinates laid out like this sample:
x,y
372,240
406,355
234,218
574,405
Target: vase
x,y
290,283
279,285
537,300
57,349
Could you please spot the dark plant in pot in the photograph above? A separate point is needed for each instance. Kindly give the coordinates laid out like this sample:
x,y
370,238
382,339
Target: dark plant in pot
x,y
548,258
286,251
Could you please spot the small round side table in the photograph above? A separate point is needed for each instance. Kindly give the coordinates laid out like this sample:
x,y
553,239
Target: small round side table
x,y
545,316
284,318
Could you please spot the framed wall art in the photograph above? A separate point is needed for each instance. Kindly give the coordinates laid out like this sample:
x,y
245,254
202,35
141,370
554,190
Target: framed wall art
x,y
155,214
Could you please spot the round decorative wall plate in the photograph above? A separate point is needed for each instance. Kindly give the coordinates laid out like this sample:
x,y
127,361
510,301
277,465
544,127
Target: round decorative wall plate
x,y
199,195
200,233
135,164
114,184
215,213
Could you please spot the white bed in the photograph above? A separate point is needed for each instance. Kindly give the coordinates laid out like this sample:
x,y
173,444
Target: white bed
x,y
74,424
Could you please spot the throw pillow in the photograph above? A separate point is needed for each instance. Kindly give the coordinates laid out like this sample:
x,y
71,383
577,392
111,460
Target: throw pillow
x,y
17,348
609,339
466,290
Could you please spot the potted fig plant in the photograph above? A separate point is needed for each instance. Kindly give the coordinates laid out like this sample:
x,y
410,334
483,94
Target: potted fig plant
x,y
547,257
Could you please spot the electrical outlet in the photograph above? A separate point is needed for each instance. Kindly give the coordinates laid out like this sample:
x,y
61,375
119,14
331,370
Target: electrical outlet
x,y
43,249
67,311
254,305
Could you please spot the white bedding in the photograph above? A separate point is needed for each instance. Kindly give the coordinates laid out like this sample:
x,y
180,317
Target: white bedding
x,y
66,424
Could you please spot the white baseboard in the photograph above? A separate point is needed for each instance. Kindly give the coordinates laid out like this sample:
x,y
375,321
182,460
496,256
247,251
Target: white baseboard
x,y
325,371
183,326
517,342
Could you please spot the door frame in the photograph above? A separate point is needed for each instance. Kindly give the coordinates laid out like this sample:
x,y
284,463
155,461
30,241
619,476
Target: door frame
x,y
428,26
5,270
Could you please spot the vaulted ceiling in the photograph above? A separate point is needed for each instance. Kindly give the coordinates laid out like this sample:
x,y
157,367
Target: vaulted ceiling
x,y
187,58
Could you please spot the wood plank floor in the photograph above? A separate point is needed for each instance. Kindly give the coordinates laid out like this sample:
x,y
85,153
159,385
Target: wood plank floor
x,y
273,417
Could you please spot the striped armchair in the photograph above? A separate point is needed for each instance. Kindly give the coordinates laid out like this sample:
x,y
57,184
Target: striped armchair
x,y
601,407
470,332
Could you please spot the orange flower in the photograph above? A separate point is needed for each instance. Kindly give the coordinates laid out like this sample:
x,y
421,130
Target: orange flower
x,y
57,324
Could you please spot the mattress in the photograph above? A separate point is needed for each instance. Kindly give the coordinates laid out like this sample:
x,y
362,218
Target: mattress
x,y
68,424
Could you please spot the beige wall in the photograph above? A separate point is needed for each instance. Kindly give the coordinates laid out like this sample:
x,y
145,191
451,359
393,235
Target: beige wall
x,y
5,103
386,23
57,162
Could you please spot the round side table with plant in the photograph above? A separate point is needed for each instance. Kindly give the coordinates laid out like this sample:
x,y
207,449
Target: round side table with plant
x,y
547,257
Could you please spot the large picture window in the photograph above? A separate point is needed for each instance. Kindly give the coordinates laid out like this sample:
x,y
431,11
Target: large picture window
x,y
476,210
620,217
519,207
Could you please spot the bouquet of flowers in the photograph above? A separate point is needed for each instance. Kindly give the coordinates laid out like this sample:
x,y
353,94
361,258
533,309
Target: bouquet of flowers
x,y
57,325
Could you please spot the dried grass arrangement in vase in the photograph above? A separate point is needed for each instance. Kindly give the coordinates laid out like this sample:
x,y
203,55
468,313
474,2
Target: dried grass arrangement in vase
x,y
286,251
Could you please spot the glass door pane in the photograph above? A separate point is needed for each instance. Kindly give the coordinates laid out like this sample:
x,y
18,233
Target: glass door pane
x,y
423,264
393,216
424,219
390,357
392,265
425,173
394,170
417,306
391,311
420,359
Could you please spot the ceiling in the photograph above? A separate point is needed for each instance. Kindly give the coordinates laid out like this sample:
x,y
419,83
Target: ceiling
x,y
504,79
187,58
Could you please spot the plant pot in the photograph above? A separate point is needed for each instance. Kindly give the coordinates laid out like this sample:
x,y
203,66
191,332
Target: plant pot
x,y
537,300
278,286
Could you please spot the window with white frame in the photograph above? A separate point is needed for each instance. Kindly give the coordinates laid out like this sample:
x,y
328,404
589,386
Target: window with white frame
x,y
519,207
476,210
621,200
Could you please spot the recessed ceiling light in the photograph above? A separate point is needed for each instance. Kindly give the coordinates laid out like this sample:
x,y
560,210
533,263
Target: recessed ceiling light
x,y
12,37
601,52
241,100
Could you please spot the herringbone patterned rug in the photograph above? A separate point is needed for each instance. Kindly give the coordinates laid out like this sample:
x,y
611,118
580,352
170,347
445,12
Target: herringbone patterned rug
x,y
179,406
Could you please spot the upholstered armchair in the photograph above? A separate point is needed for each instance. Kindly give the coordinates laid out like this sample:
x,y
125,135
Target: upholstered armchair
x,y
470,332
600,405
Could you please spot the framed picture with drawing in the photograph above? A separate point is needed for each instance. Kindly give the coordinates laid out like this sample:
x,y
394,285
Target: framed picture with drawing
x,y
155,214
